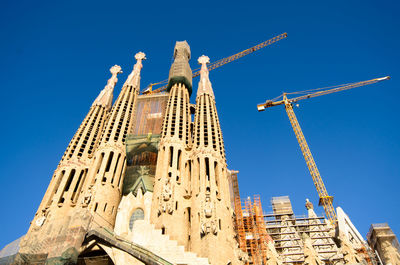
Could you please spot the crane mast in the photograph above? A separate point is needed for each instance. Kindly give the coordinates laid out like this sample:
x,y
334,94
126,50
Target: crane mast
x,y
324,199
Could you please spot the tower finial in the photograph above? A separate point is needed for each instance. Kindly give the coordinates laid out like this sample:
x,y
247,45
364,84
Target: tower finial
x,y
105,97
204,83
180,71
134,77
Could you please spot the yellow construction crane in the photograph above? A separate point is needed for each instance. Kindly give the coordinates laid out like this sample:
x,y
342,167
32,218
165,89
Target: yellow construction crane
x,y
218,63
324,199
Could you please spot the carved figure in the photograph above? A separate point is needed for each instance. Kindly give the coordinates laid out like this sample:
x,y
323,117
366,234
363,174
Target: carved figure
x,y
208,208
88,196
166,201
167,191
39,222
208,224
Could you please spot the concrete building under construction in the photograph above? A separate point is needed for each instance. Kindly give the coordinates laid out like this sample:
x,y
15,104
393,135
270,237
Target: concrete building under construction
x,y
144,180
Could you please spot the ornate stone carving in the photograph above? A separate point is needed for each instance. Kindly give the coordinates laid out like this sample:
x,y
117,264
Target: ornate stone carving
x,y
88,196
40,221
208,221
105,97
166,199
204,83
134,77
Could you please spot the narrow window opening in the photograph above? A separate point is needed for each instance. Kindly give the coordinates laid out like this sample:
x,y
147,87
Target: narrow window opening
x,y
109,161
163,230
95,206
208,168
198,172
100,162
115,169
78,182
105,207
216,172
59,181
176,205
219,224
122,170
171,153
190,172
71,176
179,158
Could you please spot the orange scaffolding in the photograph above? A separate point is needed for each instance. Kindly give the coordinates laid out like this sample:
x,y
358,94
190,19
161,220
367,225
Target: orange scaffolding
x,y
251,229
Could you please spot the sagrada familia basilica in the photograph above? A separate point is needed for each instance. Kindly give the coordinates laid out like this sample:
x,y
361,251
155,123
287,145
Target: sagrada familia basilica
x,y
144,180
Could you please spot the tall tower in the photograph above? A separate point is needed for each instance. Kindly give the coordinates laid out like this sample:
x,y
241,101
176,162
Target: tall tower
x,y
55,215
171,199
103,188
212,231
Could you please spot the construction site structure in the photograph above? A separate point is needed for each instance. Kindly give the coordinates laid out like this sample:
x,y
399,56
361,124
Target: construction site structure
x,y
281,237
385,243
325,199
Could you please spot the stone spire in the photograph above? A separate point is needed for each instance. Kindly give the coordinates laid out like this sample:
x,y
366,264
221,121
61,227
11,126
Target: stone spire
x,y
134,77
212,233
205,86
207,131
61,206
171,204
105,178
106,95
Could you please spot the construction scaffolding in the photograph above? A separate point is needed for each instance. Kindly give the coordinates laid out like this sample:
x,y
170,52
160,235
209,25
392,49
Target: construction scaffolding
x,y
252,234
298,237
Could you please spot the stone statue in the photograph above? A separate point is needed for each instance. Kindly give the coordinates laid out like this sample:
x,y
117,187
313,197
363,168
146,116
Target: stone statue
x,y
88,196
166,200
208,223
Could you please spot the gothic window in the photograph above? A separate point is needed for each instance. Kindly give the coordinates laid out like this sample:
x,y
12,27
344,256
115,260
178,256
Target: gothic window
x,y
138,214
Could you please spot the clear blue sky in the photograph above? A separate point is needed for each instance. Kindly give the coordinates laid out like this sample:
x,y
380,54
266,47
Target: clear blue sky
x,y
55,57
